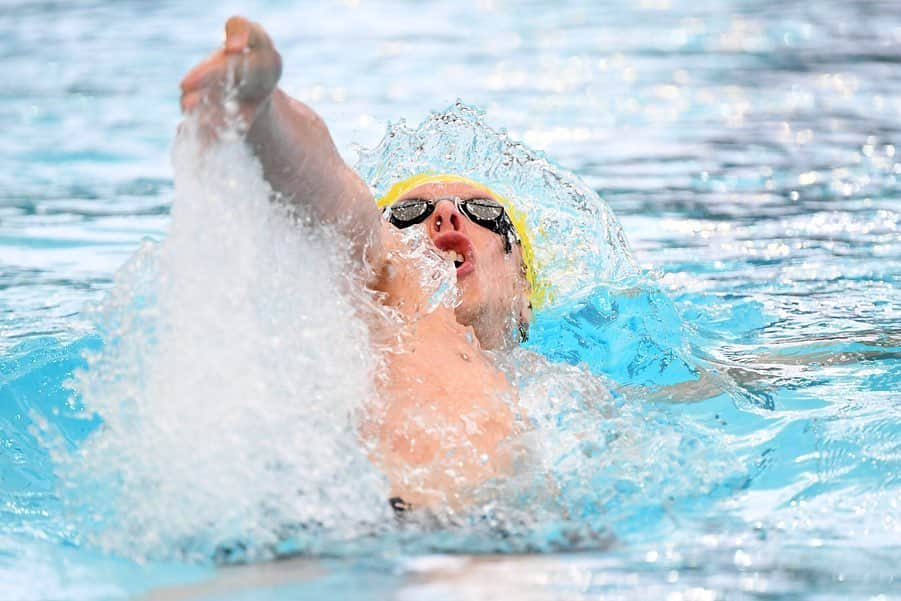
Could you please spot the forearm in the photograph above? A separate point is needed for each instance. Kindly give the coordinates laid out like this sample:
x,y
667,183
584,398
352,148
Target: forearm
x,y
301,163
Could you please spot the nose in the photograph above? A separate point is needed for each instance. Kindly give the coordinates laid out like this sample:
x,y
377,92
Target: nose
x,y
446,218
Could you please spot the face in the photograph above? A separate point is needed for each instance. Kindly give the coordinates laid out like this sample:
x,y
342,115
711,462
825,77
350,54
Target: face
x,y
495,292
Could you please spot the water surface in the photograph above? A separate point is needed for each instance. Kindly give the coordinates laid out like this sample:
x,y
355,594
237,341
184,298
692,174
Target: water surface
x,y
747,148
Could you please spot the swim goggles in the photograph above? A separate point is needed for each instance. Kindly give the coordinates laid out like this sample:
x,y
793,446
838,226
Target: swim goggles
x,y
485,212
521,231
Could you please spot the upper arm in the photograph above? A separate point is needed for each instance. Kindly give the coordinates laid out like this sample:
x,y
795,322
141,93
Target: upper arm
x,y
302,164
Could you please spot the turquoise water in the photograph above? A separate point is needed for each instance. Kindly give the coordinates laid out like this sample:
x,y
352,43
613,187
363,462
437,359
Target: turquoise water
x,y
750,444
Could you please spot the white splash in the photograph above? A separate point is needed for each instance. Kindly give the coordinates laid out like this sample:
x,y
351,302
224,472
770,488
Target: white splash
x,y
438,278
233,365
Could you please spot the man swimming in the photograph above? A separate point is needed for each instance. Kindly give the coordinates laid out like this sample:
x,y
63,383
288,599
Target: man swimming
x,y
446,412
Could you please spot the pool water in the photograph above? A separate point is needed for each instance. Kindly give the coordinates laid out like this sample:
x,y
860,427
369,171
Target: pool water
x,y
742,439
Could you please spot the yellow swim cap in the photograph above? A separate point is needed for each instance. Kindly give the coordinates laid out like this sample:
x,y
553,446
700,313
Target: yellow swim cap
x,y
539,289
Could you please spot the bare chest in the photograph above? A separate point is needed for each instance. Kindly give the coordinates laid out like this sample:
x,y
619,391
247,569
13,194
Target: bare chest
x,y
443,404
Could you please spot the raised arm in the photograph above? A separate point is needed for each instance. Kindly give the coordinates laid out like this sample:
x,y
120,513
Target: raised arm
x,y
297,153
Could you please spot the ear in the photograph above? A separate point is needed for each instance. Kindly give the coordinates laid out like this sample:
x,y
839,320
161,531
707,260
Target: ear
x,y
523,297
525,313
525,308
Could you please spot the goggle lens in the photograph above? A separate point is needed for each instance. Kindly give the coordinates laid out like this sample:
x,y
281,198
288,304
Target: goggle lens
x,y
482,210
410,212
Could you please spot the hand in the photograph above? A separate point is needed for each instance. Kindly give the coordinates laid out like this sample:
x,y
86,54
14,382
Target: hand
x,y
234,84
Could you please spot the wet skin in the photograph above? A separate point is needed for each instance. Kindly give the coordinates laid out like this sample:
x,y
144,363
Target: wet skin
x,y
444,412
447,410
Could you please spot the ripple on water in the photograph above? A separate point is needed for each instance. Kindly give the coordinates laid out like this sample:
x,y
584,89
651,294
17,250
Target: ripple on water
x,y
750,150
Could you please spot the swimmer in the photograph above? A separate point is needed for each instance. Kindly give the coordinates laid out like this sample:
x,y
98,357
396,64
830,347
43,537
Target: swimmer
x,y
447,413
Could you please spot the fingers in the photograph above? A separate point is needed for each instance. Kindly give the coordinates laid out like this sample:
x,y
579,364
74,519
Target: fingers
x,y
258,38
259,73
248,63
203,80
190,100
242,35
197,76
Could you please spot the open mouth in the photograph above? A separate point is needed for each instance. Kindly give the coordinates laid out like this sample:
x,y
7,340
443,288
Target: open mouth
x,y
456,257
457,248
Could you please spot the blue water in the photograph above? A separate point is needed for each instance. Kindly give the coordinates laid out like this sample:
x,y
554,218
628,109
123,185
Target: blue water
x,y
750,446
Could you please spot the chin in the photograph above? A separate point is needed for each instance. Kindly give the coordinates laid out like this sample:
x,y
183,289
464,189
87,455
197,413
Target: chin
x,y
465,314
469,312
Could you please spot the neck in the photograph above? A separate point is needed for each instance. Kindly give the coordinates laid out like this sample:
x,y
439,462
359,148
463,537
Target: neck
x,y
493,334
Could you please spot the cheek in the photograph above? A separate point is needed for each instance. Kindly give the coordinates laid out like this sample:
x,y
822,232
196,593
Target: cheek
x,y
494,263
496,269
501,275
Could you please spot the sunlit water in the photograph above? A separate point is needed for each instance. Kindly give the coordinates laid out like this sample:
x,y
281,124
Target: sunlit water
x,y
721,425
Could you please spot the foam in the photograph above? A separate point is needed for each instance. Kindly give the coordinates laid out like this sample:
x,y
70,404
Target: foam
x,y
233,364
577,240
236,359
